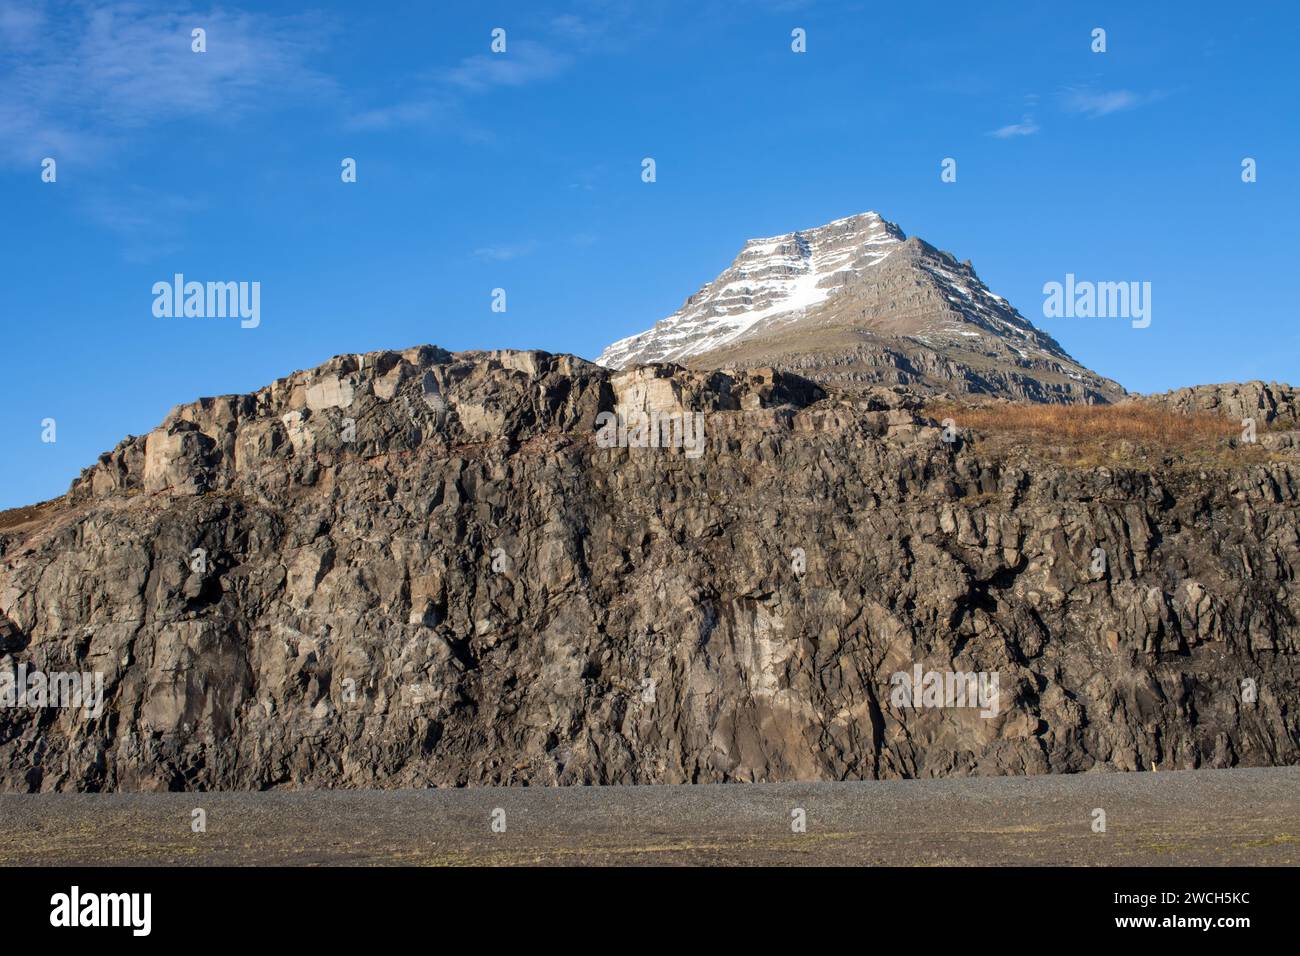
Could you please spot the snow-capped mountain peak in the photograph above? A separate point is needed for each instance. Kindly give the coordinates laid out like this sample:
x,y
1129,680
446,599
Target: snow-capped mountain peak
x,y
774,278
856,302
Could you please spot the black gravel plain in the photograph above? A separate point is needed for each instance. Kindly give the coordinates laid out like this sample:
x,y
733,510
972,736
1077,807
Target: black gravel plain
x,y
1204,817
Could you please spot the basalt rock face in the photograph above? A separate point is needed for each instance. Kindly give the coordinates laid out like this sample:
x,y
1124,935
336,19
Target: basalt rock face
x,y
418,568
1269,403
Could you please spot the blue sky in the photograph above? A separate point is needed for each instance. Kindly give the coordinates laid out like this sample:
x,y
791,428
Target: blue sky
x,y
522,171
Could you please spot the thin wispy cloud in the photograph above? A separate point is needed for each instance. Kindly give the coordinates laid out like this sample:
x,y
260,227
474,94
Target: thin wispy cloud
x,y
552,48
504,253
1080,101
438,94
575,28
20,24
148,224
80,78
425,109
1095,103
1026,127
525,62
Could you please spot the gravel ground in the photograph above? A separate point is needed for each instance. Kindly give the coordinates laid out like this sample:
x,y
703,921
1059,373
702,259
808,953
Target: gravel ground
x,y
1205,817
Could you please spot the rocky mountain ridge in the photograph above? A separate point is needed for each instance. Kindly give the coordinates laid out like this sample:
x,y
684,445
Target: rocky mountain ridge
x,y
421,568
856,303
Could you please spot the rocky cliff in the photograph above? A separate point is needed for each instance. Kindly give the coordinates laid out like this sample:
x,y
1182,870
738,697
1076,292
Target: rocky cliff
x,y
420,568
1268,403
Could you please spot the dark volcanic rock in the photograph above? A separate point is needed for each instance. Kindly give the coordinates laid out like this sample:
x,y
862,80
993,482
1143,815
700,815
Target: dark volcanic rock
x,y
1269,403
419,568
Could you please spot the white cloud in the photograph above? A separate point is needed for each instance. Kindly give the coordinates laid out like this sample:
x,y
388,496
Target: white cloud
x,y
524,62
421,110
1093,103
1026,127
438,94
504,253
558,44
20,25
148,224
82,77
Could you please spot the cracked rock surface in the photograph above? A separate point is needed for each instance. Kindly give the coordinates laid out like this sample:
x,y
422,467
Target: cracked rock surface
x,y
420,568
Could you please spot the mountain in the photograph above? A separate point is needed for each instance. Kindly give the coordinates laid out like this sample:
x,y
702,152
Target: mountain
x,y
419,568
856,302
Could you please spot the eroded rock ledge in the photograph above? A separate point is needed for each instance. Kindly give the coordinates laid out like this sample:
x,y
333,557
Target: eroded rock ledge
x,y
418,568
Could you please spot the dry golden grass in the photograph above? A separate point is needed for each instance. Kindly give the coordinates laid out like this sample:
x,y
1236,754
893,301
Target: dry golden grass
x,y
27,515
1092,435
1082,423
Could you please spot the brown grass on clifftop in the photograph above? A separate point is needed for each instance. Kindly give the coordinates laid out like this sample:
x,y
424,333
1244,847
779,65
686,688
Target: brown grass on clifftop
x,y
1091,435
16,518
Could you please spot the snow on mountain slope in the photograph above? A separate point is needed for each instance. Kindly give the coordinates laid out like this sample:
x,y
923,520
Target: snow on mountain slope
x,y
782,276
856,302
